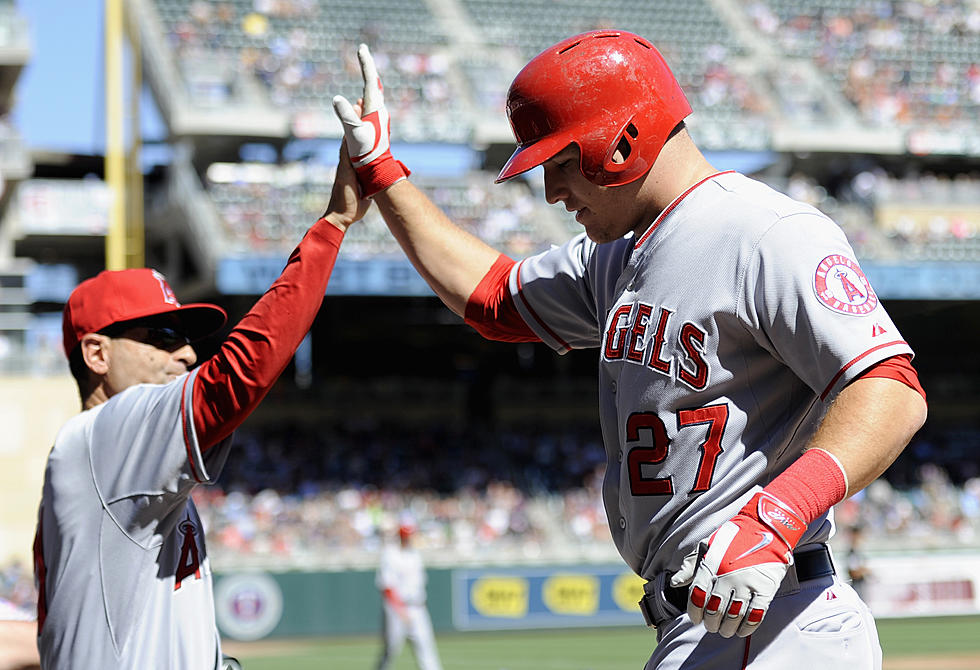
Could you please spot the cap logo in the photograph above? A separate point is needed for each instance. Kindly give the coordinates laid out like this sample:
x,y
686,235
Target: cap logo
x,y
841,285
168,293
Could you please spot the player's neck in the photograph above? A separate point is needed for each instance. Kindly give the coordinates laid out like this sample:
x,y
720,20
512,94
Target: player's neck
x,y
679,166
98,396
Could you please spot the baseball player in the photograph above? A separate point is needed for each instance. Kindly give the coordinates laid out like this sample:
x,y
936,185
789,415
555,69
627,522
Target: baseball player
x,y
401,580
749,377
121,567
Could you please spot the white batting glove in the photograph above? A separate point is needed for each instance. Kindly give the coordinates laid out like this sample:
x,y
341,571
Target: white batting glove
x,y
735,573
369,135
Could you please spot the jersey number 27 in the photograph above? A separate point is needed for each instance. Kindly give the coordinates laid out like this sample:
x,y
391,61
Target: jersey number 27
x,y
639,423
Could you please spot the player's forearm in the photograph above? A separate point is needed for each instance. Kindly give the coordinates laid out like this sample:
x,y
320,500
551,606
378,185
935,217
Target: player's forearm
x,y
868,426
230,384
452,261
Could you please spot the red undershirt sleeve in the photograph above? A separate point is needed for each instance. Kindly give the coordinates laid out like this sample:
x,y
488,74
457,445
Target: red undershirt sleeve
x,y
491,310
898,368
233,382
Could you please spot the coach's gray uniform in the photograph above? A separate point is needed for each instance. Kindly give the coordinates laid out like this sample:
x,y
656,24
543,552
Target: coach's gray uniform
x,y
723,332
131,558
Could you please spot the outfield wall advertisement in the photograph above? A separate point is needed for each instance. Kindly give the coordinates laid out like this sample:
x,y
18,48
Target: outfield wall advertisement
x,y
553,597
257,605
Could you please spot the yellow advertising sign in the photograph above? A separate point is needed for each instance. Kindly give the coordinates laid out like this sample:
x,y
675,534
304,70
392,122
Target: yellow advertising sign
x,y
627,591
571,594
500,596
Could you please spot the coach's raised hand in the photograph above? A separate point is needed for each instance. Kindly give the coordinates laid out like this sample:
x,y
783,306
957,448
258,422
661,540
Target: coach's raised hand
x,y
368,134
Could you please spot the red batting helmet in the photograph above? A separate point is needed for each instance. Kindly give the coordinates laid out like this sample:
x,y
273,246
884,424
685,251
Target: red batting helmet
x,y
605,91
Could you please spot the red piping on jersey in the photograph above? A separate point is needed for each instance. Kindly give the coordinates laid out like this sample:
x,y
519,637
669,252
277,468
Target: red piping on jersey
x,y
544,326
823,396
40,573
745,656
674,204
184,430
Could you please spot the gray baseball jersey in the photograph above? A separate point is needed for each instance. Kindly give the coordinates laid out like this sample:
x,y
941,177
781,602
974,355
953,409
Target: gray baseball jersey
x,y
723,334
129,553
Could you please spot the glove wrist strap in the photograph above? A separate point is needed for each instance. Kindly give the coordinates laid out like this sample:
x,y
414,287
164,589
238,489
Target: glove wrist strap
x,y
380,173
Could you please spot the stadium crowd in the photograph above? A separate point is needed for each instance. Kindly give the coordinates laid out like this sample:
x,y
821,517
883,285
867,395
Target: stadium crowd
x,y
321,496
325,497
897,62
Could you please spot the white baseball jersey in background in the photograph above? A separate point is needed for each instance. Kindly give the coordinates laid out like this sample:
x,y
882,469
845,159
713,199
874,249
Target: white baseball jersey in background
x,y
123,472
401,570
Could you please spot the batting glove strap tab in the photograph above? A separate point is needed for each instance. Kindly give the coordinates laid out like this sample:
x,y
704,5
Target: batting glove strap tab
x,y
735,573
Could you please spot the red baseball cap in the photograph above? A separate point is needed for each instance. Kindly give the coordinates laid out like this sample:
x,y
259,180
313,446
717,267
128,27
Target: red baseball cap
x,y
113,296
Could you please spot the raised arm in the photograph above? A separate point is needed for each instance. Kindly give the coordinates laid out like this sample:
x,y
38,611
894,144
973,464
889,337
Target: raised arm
x,y
451,260
231,383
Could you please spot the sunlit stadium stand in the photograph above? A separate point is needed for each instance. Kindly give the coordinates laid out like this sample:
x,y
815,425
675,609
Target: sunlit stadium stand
x,y
267,208
15,166
903,64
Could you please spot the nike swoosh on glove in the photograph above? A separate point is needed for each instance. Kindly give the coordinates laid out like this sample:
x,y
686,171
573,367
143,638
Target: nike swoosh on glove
x,y
735,573
369,135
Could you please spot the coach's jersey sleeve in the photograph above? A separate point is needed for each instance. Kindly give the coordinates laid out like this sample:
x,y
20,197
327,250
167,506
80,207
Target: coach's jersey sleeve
x,y
146,457
560,293
811,306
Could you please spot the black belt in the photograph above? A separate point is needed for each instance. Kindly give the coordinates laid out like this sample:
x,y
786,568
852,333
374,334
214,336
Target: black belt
x,y
809,564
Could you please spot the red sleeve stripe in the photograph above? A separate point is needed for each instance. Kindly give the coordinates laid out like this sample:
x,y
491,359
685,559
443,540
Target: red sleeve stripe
x,y
40,574
844,369
898,368
534,315
491,309
185,429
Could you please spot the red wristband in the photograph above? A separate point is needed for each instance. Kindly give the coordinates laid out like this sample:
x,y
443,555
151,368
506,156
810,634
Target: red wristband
x,y
812,485
380,173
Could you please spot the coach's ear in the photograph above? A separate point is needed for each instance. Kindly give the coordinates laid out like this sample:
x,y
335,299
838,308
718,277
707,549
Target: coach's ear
x,y
95,352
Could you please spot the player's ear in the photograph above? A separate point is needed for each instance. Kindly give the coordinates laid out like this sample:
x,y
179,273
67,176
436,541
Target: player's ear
x,y
95,352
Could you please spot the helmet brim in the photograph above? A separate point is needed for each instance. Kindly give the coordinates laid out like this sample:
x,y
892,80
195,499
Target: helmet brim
x,y
532,155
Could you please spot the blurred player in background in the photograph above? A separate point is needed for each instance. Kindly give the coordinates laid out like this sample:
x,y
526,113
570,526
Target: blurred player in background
x,y
749,378
401,580
123,575
857,562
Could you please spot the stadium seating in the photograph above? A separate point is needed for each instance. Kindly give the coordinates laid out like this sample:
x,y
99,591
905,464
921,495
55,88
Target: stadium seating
x,y
267,208
898,63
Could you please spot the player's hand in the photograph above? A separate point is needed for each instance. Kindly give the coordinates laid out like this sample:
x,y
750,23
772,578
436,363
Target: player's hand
x,y
346,205
368,133
735,573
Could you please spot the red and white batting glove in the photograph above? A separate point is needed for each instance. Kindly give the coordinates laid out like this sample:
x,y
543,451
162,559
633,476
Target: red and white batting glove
x,y
369,135
735,573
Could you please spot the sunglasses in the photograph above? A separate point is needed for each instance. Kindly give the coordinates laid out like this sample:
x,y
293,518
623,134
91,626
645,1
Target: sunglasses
x,y
161,337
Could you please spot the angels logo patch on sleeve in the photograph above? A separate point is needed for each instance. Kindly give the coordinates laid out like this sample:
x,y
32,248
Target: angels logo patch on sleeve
x,y
841,286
